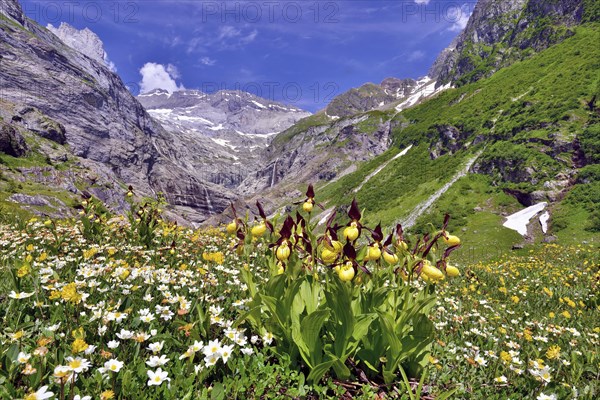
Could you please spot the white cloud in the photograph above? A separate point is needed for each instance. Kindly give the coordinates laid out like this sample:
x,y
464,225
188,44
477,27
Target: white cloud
x,y
250,37
226,38
208,61
422,1
458,17
173,71
228,32
157,76
416,55
111,65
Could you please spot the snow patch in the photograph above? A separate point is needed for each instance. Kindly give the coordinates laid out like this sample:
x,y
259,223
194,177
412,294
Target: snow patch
x,y
259,135
193,119
519,220
544,221
425,88
257,104
160,111
219,127
325,215
224,143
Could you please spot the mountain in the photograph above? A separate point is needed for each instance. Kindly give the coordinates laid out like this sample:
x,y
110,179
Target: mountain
x,y
85,41
72,119
515,129
505,122
228,130
500,33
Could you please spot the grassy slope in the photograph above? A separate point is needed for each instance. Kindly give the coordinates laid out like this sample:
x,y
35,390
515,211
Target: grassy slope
x,y
540,98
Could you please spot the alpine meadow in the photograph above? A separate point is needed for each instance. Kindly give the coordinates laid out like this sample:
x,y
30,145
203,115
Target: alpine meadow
x,y
191,235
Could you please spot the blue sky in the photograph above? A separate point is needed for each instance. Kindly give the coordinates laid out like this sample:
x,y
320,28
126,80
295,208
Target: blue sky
x,y
299,52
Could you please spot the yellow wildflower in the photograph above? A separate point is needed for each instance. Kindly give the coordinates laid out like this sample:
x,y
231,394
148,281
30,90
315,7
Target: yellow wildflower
x,y
107,395
69,293
79,345
24,270
553,352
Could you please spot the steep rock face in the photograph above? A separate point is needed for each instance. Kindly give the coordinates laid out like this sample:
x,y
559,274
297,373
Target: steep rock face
x,y
102,122
320,152
501,32
85,41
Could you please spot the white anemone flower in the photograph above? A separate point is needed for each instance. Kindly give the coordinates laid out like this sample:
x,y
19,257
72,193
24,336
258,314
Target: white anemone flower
x,y
158,377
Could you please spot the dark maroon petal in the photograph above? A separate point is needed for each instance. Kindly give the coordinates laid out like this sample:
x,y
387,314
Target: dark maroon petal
x,y
377,234
450,250
388,241
362,267
310,193
354,211
261,212
349,251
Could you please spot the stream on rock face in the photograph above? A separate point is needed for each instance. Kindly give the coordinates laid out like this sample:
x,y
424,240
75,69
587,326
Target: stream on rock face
x,y
424,205
381,167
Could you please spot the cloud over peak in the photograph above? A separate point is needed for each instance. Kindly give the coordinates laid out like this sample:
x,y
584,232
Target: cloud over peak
x,y
158,76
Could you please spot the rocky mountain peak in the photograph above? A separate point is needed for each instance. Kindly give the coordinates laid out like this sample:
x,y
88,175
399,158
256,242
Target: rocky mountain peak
x,y
12,9
501,32
85,41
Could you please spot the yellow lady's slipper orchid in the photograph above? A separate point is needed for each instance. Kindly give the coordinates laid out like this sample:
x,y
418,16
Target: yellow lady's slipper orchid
x,y
373,252
431,272
328,256
351,232
232,227
307,206
402,245
259,230
346,272
451,240
390,258
335,246
283,251
452,271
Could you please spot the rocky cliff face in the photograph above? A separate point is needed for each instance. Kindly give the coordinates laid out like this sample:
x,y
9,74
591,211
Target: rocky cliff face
x,y
103,124
85,41
501,32
227,130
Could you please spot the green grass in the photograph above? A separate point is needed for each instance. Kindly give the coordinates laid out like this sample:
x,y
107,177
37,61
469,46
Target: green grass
x,y
519,112
398,188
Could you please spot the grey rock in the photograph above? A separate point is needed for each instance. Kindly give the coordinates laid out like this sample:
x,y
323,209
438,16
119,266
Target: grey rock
x,y
370,96
85,41
103,123
37,200
510,29
11,142
550,239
